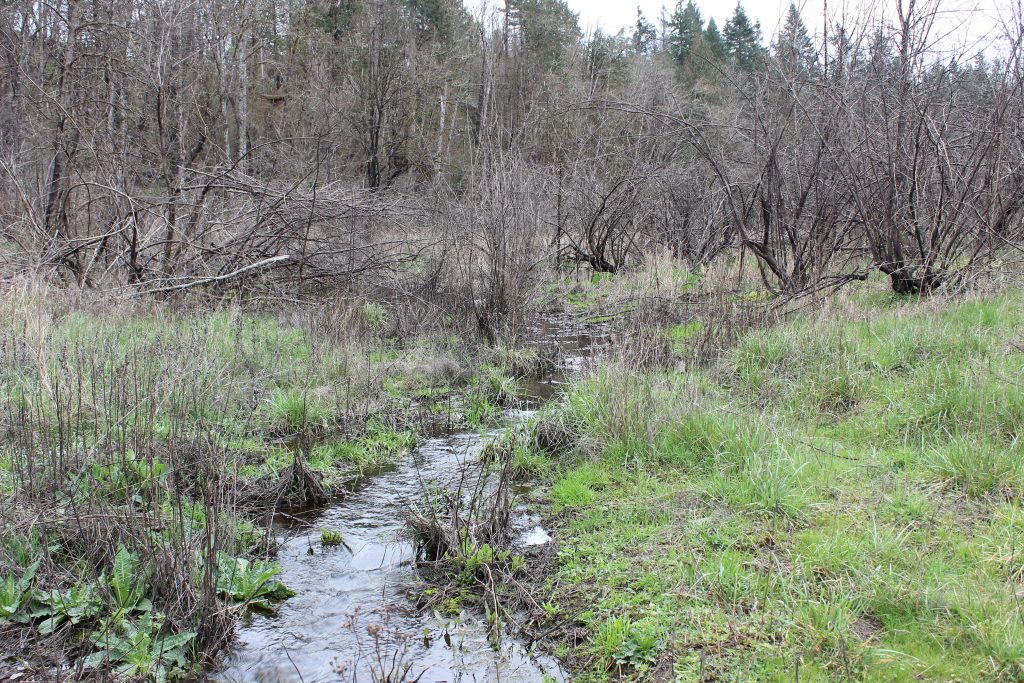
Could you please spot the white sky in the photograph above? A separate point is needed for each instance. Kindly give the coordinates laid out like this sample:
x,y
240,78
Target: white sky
x,y
972,34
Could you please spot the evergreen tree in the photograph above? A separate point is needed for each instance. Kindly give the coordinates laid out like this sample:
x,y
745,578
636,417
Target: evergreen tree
x,y
644,35
715,43
794,49
430,18
743,39
605,57
546,27
685,28
335,18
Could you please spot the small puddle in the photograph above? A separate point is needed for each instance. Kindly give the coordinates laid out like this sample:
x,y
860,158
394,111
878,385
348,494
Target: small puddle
x,y
314,637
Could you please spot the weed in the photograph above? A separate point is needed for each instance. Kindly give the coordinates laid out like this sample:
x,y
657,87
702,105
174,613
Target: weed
x,y
330,538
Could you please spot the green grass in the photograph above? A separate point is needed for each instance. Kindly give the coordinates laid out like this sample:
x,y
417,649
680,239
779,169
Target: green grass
x,y
238,378
682,336
842,493
376,449
296,410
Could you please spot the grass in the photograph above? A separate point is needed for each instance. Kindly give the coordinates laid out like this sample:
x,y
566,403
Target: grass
x,y
838,498
838,495
377,448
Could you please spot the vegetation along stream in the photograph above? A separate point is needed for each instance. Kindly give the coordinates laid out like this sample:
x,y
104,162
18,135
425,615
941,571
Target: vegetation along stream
x,y
385,341
353,563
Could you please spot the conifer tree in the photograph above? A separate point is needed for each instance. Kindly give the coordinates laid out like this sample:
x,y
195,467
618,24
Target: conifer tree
x,y
841,53
686,28
644,35
546,27
743,39
715,43
794,49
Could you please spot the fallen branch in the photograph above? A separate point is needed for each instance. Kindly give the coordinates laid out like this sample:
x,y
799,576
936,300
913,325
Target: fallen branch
x,y
198,282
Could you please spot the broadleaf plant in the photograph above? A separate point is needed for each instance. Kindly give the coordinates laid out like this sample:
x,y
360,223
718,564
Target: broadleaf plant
x,y
253,583
139,649
16,594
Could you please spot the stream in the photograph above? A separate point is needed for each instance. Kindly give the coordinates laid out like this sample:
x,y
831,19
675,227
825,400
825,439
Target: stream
x,y
351,614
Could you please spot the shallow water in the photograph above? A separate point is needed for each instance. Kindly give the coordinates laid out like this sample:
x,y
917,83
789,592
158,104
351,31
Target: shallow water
x,y
313,636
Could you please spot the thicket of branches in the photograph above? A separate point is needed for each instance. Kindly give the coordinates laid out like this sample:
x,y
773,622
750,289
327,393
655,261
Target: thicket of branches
x,y
164,144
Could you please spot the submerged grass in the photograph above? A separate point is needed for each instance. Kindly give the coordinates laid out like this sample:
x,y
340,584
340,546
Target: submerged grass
x,y
840,497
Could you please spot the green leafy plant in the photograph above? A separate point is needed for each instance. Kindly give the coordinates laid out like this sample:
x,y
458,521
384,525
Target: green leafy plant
x,y
128,585
73,605
147,473
15,595
253,583
625,643
471,559
640,648
330,538
137,649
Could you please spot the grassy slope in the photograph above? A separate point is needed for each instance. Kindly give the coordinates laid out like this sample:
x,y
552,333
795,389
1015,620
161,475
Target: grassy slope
x,y
841,495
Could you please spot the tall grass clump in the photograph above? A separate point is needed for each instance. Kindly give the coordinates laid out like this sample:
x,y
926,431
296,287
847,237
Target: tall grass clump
x,y
614,409
915,374
626,414
977,467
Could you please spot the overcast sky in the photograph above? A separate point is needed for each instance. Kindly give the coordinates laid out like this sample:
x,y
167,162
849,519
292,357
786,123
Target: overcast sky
x,y
611,15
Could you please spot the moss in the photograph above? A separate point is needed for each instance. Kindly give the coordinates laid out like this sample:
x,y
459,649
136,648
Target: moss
x,y
683,335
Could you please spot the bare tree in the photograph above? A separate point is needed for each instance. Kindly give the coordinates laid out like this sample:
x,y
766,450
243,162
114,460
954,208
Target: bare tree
x,y
935,159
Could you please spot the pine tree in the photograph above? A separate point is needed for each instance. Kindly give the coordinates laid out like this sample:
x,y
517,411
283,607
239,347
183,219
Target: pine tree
x,y
686,27
743,39
715,43
794,49
644,35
